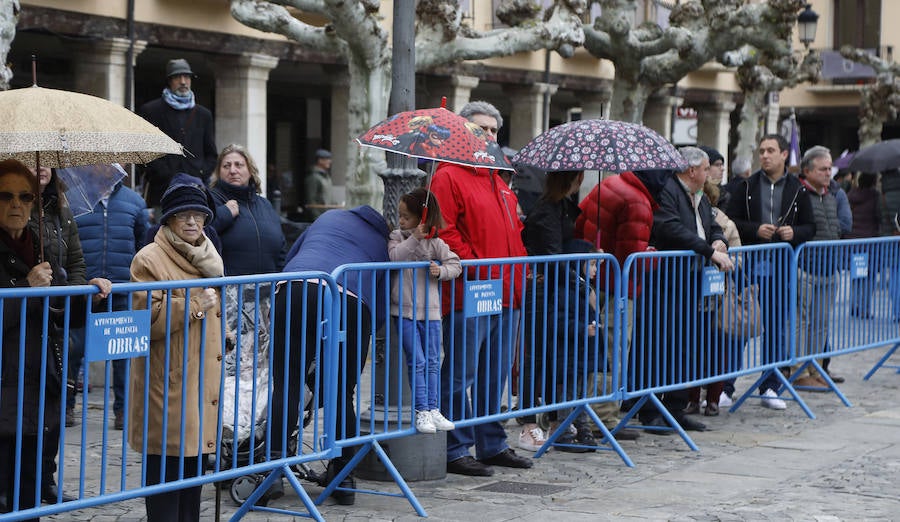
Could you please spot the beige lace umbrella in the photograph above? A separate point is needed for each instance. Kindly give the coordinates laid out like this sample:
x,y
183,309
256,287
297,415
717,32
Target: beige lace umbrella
x,y
59,129
62,129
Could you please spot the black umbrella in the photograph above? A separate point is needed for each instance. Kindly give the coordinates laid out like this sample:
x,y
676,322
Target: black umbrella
x,y
882,156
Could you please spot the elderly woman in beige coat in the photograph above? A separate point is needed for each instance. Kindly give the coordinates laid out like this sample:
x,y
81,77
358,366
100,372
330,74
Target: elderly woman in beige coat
x,y
179,251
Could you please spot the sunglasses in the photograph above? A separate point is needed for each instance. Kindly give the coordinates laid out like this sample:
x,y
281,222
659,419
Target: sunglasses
x,y
24,197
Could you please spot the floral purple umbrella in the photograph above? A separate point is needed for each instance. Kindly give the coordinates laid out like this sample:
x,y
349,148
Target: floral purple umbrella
x,y
607,145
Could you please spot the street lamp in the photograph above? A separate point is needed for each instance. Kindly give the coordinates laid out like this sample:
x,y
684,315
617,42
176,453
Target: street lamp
x,y
806,23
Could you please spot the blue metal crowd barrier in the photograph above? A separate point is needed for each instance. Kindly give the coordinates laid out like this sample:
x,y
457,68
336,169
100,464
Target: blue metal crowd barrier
x,y
137,335
302,356
682,337
852,298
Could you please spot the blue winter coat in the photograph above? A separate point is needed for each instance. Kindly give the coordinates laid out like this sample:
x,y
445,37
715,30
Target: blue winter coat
x,y
112,234
338,237
252,242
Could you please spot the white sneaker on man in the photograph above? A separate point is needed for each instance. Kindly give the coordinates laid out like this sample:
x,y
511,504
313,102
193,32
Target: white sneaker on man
x,y
531,438
725,401
424,423
440,422
770,400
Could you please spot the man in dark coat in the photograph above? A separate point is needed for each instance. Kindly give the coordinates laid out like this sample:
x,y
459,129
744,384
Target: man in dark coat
x,y
684,221
770,207
177,114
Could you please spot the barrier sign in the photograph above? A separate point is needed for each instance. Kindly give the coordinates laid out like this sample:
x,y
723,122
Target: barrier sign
x,y
483,298
713,282
859,266
118,335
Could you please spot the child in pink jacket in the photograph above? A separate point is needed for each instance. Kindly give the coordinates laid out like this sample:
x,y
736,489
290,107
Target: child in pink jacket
x,y
416,302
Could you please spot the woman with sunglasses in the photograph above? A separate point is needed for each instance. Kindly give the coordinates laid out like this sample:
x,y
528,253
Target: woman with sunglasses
x,y
20,266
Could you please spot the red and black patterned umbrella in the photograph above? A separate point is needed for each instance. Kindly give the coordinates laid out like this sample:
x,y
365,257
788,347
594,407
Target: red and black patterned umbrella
x,y
436,134
607,145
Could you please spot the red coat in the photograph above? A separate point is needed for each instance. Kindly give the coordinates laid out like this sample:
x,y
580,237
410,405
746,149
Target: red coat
x,y
479,210
626,216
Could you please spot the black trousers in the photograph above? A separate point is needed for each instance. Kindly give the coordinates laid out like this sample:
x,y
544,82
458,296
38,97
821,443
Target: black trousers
x,y
26,479
182,505
300,354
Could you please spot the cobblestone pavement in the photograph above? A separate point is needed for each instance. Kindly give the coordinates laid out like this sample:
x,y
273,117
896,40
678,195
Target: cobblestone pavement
x,y
754,464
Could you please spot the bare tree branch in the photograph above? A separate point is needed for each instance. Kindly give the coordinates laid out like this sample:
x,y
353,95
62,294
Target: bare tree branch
x,y
648,57
441,39
879,102
9,17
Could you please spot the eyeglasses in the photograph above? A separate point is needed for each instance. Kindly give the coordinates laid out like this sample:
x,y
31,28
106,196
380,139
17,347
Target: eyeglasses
x,y
184,217
24,197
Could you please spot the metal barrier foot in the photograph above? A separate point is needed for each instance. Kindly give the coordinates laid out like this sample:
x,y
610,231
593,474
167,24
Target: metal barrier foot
x,y
277,474
389,466
673,424
881,362
607,436
786,385
831,386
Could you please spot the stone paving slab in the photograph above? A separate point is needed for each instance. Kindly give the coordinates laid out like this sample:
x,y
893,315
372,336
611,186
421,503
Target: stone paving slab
x,y
754,464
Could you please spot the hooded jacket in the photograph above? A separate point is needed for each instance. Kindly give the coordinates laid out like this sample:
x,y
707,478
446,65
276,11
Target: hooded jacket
x,y
112,234
479,210
339,237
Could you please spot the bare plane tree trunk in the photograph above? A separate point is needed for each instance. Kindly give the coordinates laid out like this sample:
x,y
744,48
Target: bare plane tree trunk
x,y
369,95
629,100
748,128
9,17
761,73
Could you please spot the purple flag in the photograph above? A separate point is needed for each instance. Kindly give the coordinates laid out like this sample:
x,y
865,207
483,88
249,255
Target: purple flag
x,y
794,158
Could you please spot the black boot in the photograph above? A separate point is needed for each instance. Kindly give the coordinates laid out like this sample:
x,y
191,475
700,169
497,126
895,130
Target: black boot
x,y
275,491
585,432
50,492
344,498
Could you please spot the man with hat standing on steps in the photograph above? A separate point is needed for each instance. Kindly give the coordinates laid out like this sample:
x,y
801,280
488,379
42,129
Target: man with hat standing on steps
x,y
177,114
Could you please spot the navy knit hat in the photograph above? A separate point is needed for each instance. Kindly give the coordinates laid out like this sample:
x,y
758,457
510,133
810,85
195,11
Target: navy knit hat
x,y
185,193
578,246
713,154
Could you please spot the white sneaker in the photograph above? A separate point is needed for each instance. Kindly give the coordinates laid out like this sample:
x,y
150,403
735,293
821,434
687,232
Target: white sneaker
x,y
424,424
770,400
440,422
531,438
725,401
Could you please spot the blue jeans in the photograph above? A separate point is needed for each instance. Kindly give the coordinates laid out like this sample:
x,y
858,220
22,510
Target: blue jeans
x,y
477,358
421,342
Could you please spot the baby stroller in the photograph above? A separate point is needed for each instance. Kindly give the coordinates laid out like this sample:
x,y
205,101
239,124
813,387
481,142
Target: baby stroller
x,y
244,423
243,445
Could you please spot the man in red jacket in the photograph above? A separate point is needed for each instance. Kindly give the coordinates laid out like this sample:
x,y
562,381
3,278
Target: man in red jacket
x,y
479,211
620,226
